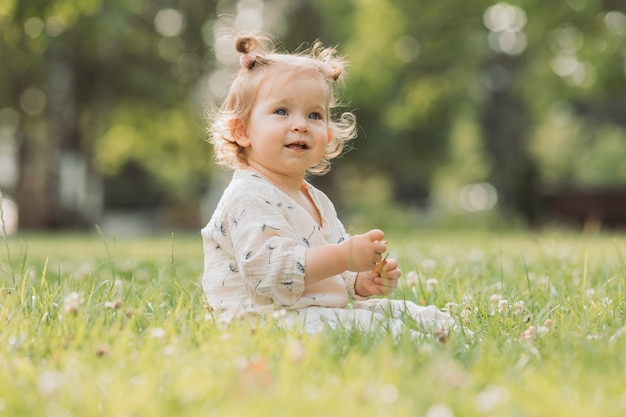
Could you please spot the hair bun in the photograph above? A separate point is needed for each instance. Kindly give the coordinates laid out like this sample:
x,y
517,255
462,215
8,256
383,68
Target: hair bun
x,y
247,60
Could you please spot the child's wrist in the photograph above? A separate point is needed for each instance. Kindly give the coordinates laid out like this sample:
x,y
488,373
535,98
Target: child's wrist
x,y
358,287
345,255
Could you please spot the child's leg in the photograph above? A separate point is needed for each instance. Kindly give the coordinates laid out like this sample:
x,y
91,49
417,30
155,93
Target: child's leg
x,y
428,317
317,319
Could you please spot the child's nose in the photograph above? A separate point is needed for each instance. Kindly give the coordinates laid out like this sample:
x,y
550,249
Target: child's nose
x,y
300,124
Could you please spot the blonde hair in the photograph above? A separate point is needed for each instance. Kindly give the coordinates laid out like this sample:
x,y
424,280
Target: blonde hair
x,y
258,61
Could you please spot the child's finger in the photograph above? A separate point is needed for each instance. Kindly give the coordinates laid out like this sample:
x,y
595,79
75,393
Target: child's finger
x,y
379,266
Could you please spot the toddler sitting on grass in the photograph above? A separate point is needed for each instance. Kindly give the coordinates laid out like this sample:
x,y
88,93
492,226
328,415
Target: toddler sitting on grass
x,y
274,241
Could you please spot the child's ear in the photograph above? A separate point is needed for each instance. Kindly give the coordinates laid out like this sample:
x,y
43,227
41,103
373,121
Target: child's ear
x,y
238,132
330,135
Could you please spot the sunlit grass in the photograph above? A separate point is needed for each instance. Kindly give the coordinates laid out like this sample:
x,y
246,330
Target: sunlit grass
x,y
116,327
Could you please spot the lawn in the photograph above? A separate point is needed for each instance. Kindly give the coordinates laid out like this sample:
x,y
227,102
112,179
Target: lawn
x,y
95,325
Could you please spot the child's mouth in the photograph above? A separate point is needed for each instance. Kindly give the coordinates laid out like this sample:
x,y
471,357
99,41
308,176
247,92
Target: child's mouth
x,y
297,146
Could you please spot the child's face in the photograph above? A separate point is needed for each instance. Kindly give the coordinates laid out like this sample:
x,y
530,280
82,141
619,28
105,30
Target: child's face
x,y
288,131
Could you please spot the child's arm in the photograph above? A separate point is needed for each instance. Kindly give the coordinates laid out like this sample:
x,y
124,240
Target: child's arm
x,y
358,253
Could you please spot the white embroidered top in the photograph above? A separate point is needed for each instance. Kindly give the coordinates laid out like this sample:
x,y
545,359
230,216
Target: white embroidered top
x,y
254,247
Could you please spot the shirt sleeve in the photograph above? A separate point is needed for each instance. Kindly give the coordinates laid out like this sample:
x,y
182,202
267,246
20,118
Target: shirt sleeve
x,y
268,256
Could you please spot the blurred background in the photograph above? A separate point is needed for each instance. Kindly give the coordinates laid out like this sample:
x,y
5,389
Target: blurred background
x,y
471,114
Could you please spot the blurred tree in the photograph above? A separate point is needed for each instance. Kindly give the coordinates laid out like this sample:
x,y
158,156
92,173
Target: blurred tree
x,y
104,88
411,65
97,85
418,66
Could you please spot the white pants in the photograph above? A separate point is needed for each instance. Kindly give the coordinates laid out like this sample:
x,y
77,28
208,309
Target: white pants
x,y
374,314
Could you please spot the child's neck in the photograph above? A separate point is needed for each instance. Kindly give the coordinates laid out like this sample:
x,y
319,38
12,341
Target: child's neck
x,y
289,185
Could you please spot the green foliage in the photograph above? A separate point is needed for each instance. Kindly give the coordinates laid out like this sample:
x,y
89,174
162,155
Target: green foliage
x,y
101,326
170,148
80,72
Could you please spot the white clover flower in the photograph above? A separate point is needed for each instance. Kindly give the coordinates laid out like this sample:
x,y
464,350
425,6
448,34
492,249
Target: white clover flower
x,y
118,286
495,298
157,333
113,305
295,350
541,330
170,350
590,292
72,302
452,307
279,314
491,397
503,306
439,410
49,383
412,278
544,282
428,264
520,307
432,284
389,393
466,315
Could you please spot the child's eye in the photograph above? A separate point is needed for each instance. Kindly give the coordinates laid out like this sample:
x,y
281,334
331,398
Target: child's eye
x,y
280,112
315,116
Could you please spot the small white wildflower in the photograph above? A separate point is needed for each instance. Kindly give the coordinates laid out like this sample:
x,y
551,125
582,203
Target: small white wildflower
x,y
279,314
118,286
432,284
466,315
491,397
389,393
544,282
476,255
606,302
412,278
113,305
590,292
157,333
428,264
49,383
541,330
295,351
495,298
72,302
439,410
452,307
503,306
468,298
169,350
520,307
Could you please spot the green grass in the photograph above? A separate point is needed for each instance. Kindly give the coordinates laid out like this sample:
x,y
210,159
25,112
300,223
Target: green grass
x,y
97,326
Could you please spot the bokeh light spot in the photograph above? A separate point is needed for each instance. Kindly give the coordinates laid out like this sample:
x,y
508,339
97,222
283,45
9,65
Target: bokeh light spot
x,y
407,49
169,22
34,26
33,101
478,197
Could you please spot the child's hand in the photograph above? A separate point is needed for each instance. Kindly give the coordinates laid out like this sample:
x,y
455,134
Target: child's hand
x,y
363,252
382,283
